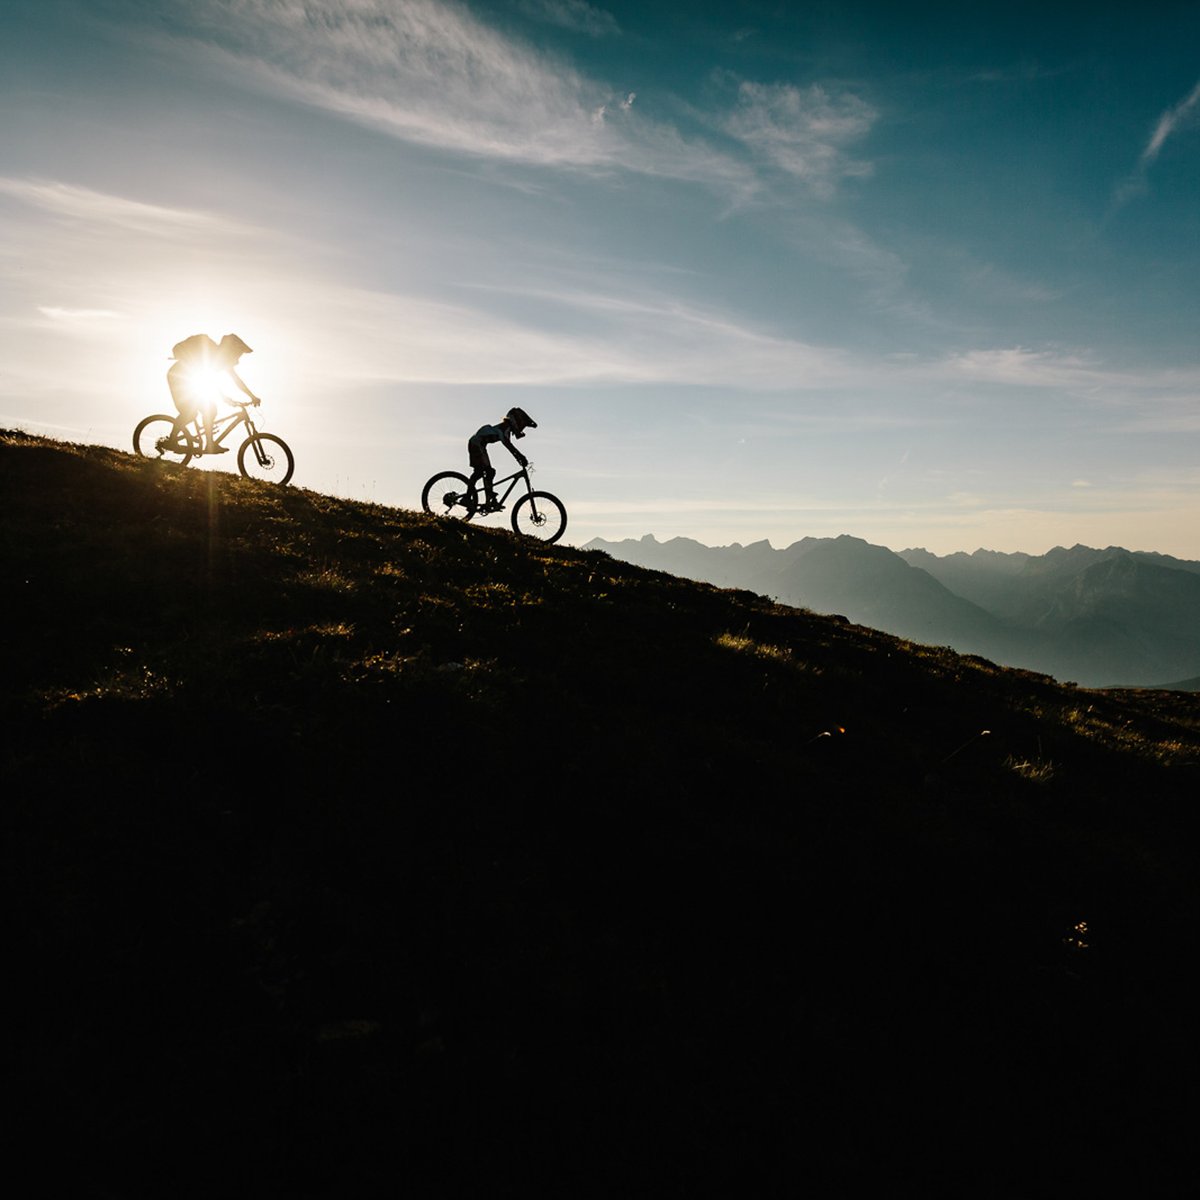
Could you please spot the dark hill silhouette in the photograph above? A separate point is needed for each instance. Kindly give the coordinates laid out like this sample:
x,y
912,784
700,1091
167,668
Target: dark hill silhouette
x,y
1186,685
1100,617
350,850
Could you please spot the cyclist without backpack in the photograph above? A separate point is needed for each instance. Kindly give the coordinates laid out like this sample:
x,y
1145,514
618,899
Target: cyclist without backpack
x,y
514,424
193,380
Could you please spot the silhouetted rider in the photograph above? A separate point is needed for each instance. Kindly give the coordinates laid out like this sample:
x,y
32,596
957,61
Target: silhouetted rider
x,y
193,380
514,424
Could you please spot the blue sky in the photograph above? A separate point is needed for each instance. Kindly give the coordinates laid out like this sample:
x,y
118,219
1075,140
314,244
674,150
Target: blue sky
x,y
924,274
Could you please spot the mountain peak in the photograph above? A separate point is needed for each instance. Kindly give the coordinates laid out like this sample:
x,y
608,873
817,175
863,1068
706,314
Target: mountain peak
x,y
1098,616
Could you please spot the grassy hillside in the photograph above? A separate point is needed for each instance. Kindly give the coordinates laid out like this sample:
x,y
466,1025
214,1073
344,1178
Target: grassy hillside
x,y
350,850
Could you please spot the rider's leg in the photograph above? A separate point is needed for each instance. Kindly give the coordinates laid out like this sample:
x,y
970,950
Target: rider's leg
x,y
208,414
487,474
481,468
185,403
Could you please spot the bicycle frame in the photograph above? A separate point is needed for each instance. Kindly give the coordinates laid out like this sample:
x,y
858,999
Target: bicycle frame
x,y
512,481
222,427
519,475
537,514
262,456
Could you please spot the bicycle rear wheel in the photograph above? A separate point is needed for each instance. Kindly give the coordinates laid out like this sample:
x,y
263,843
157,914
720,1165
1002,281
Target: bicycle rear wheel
x,y
267,457
152,439
449,494
540,515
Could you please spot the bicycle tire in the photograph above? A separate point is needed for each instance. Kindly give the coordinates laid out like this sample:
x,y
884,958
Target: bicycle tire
x,y
449,494
151,434
539,515
265,463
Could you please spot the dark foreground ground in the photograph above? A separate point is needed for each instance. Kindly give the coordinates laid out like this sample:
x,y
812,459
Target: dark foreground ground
x,y
349,851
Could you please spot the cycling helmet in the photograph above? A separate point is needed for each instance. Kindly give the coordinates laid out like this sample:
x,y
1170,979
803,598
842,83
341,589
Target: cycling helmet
x,y
231,342
521,421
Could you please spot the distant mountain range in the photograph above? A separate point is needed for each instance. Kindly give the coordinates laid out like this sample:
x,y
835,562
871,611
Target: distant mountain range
x,y
1097,617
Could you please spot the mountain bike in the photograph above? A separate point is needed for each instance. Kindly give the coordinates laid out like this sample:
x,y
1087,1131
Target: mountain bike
x,y
260,456
536,514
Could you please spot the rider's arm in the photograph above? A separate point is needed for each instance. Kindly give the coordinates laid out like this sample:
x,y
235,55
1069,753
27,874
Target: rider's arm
x,y
234,376
505,438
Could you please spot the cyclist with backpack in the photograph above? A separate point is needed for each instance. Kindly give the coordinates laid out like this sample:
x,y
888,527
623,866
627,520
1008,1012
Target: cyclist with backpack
x,y
191,380
513,425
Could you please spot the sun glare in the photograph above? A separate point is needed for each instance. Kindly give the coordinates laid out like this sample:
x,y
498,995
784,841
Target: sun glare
x,y
266,371
210,384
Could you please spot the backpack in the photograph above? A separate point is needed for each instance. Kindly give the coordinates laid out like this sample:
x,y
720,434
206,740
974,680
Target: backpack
x,y
196,348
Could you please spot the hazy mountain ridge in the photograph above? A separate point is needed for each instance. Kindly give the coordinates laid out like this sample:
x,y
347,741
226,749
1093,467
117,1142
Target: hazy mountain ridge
x,y
1099,617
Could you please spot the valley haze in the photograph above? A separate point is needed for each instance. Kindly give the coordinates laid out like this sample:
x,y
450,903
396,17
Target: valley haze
x,y
1101,618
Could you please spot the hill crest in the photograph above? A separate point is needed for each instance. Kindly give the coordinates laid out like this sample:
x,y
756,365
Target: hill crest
x,y
343,836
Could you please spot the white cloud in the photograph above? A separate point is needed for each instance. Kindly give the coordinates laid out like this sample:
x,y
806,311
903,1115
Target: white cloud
x,y
84,205
1021,367
648,337
576,15
1174,119
803,131
78,314
1181,115
78,280
1134,400
431,72
994,281
75,260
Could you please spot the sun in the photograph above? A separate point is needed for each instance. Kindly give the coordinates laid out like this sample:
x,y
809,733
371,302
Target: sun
x,y
264,370
210,385
283,368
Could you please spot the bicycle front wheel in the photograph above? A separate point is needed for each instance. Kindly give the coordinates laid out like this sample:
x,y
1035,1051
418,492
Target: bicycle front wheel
x,y
267,457
540,515
449,495
152,439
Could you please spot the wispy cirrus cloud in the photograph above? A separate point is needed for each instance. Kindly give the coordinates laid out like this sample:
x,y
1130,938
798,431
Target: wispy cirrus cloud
x,y
1022,367
1176,118
56,313
1179,116
75,203
1145,396
803,131
424,70
576,15
615,327
648,337
59,284
433,73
